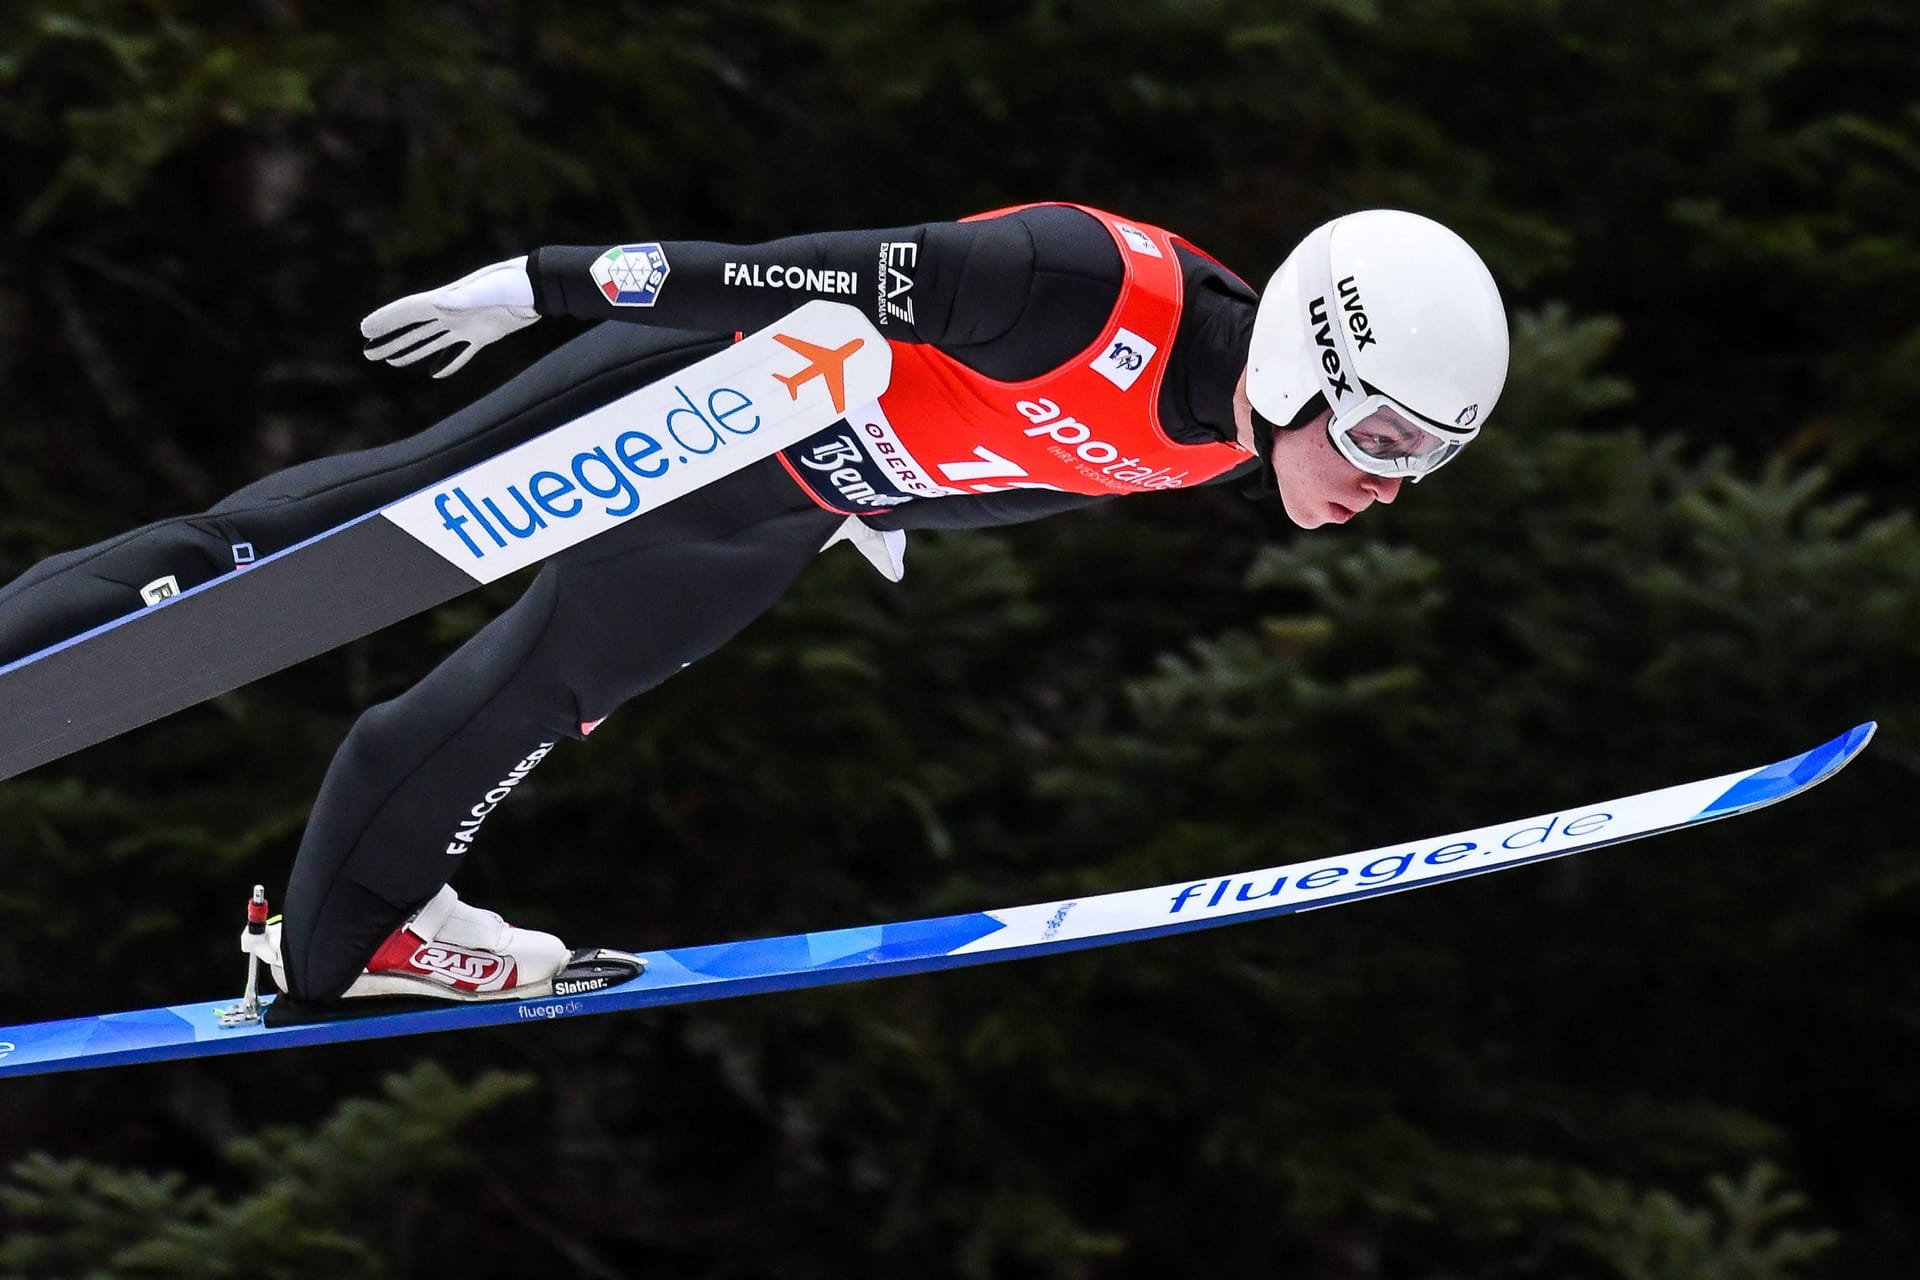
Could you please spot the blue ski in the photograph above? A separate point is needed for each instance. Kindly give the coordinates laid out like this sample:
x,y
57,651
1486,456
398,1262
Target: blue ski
x,y
687,974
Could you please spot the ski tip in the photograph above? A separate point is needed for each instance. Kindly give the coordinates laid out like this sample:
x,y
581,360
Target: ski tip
x,y
1793,775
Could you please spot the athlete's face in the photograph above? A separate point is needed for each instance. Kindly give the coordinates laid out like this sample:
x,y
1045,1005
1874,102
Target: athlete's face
x,y
1317,485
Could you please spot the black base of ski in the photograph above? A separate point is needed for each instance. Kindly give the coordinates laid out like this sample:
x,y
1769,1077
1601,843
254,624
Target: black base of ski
x,y
681,432
238,628
591,969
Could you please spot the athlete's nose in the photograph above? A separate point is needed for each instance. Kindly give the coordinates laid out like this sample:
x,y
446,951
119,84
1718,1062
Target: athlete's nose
x,y
1382,488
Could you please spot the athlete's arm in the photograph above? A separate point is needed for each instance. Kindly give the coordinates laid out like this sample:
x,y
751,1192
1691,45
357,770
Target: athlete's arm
x,y
907,279
1011,296
900,277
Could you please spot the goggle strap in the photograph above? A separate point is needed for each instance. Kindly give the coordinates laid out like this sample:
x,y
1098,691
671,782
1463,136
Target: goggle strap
x,y
1446,431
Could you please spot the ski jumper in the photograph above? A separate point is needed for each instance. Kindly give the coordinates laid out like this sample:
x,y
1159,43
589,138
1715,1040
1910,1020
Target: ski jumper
x,y
1039,340
1089,425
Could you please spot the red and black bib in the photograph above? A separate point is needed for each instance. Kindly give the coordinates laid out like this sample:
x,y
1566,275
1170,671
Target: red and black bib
x,y
1090,426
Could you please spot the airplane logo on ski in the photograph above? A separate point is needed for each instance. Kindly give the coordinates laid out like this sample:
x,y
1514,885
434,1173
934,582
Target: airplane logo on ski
x,y
829,363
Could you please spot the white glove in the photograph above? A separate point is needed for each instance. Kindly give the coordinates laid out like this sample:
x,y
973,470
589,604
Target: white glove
x,y
475,310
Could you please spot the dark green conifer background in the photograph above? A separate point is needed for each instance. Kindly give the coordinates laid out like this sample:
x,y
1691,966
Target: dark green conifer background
x,y
1684,546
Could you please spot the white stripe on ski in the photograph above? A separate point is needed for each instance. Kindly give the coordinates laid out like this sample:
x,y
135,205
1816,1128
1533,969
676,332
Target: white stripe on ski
x,y
1302,886
685,974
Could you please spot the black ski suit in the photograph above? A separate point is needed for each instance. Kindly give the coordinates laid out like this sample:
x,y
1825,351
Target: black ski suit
x,y
1011,296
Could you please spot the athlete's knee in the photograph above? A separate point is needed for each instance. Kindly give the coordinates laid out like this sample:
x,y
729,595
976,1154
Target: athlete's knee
x,y
375,747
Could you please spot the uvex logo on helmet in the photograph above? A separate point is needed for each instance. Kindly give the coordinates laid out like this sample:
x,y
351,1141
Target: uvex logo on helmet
x,y
1357,323
1354,314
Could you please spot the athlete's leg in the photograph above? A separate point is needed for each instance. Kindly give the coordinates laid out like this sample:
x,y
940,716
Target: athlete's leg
x,y
405,796
76,590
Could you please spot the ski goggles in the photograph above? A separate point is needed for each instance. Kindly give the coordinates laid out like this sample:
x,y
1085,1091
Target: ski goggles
x,y
1382,438
1372,431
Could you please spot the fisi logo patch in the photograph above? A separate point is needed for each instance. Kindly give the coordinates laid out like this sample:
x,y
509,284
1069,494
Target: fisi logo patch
x,y
630,275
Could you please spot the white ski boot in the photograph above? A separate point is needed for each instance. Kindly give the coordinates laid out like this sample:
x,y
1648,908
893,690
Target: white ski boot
x,y
456,952
448,950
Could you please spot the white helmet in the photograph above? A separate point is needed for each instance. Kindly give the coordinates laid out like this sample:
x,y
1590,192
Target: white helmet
x,y
1395,323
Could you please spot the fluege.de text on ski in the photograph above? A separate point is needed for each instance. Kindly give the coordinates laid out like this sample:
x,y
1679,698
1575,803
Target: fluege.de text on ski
x,y
1335,879
608,473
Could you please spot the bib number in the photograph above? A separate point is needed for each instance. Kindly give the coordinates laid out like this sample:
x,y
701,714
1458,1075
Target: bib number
x,y
987,465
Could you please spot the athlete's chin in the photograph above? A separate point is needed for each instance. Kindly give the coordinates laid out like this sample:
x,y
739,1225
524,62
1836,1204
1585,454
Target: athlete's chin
x,y
1313,516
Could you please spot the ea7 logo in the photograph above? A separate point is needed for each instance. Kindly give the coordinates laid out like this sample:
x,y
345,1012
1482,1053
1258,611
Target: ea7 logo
x,y
1123,358
898,261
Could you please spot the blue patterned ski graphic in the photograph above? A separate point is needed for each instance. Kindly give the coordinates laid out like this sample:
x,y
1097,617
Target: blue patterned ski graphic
x,y
687,974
